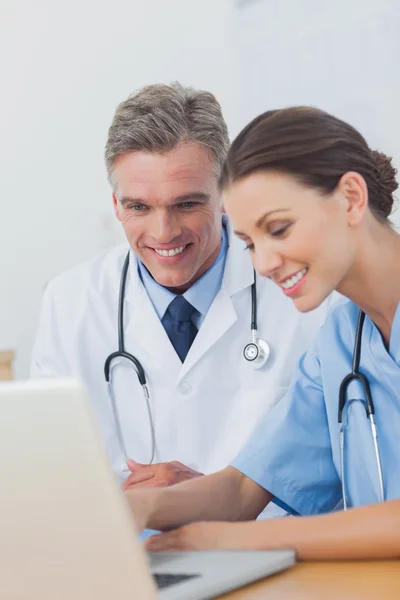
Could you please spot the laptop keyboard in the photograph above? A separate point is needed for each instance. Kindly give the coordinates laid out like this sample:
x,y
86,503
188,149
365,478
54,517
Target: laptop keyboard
x,y
164,580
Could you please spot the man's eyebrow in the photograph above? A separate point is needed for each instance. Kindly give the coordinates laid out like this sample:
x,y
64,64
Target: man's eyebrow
x,y
126,200
199,196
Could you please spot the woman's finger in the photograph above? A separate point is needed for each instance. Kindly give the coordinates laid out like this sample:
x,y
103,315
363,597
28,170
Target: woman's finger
x,y
171,540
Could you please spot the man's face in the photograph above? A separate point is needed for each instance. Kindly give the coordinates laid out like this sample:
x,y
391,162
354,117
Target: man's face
x,y
169,207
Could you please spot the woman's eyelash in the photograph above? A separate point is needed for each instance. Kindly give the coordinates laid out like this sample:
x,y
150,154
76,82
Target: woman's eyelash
x,y
276,233
280,231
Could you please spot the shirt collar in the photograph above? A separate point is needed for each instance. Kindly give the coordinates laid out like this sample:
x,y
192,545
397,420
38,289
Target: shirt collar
x,y
200,295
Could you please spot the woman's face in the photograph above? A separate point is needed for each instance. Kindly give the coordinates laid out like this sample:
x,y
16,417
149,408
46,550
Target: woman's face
x,y
296,236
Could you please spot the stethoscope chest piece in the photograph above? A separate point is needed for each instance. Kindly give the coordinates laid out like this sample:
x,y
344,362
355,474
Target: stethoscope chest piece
x,y
257,352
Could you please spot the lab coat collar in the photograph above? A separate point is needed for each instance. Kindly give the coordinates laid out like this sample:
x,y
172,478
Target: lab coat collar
x,y
238,275
144,329
145,325
200,295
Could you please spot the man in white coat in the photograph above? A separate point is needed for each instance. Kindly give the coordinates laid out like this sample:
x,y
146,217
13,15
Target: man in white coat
x,y
187,302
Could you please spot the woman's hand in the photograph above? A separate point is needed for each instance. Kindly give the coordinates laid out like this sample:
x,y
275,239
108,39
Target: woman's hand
x,y
366,533
206,536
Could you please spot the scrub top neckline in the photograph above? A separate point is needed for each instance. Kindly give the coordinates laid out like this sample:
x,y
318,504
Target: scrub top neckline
x,y
376,343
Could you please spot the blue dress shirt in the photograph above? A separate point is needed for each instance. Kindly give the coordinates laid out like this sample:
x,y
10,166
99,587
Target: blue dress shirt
x,y
200,295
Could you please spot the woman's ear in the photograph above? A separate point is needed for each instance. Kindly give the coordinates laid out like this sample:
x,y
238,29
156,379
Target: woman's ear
x,y
354,191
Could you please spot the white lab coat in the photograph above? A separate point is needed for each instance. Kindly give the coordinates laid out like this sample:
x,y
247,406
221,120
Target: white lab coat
x,y
204,409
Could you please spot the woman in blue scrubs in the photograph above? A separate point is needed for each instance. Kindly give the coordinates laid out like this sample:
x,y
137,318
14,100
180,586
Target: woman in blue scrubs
x,y
311,202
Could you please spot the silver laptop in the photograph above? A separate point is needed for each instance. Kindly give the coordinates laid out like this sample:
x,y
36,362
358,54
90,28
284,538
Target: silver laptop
x,y
66,529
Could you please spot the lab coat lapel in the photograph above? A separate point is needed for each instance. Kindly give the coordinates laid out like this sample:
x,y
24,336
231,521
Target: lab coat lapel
x,y
238,275
144,332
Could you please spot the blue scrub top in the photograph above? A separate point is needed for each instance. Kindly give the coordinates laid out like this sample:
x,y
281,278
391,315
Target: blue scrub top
x,y
295,453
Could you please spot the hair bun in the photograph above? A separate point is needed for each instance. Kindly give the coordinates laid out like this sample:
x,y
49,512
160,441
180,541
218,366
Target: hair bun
x,y
387,181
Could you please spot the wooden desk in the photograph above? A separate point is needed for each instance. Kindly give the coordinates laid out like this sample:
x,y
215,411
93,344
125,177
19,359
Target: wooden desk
x,y
327,581
6,360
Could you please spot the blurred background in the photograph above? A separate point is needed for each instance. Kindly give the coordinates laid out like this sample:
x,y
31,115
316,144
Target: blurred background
x,y
64,66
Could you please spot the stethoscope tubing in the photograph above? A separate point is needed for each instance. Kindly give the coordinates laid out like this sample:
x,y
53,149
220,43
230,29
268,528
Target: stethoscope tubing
x,y
355,375
261,349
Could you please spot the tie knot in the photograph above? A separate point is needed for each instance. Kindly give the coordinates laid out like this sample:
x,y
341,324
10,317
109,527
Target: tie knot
x,y
180,309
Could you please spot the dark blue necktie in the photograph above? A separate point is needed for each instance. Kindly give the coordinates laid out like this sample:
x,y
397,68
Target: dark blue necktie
x,y
179,326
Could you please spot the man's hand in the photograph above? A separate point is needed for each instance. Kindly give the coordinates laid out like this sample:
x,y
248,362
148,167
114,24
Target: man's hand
x,y
141,503
158,475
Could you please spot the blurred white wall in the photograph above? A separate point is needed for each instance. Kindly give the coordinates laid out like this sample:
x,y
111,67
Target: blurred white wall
x,y
342,56
64,66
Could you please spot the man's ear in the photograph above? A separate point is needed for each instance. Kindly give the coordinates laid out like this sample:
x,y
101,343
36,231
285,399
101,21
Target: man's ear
x,y
116,207
354,192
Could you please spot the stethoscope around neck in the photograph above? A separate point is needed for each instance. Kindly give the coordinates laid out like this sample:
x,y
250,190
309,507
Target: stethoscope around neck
x,y
355,375
256,353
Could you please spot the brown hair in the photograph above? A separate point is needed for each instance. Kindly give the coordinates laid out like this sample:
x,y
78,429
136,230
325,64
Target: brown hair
x,y
314,147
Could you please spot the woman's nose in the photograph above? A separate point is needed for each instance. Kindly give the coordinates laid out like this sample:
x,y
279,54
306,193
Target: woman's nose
x,y
266,261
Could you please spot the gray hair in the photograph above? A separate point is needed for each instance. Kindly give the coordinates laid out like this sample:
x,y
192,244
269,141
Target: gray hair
x,y
160,117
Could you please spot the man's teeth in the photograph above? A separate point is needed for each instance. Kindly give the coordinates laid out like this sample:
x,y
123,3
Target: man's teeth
x,y
289,283
172,252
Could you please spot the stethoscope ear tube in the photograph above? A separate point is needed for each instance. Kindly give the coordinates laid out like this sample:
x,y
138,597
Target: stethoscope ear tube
x,y
122,354
355,375
369,407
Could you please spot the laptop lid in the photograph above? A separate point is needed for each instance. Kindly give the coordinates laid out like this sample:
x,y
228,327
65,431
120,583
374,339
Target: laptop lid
x,y
66,530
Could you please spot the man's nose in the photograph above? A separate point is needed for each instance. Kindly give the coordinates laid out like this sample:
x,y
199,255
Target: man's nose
x,y
165,227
